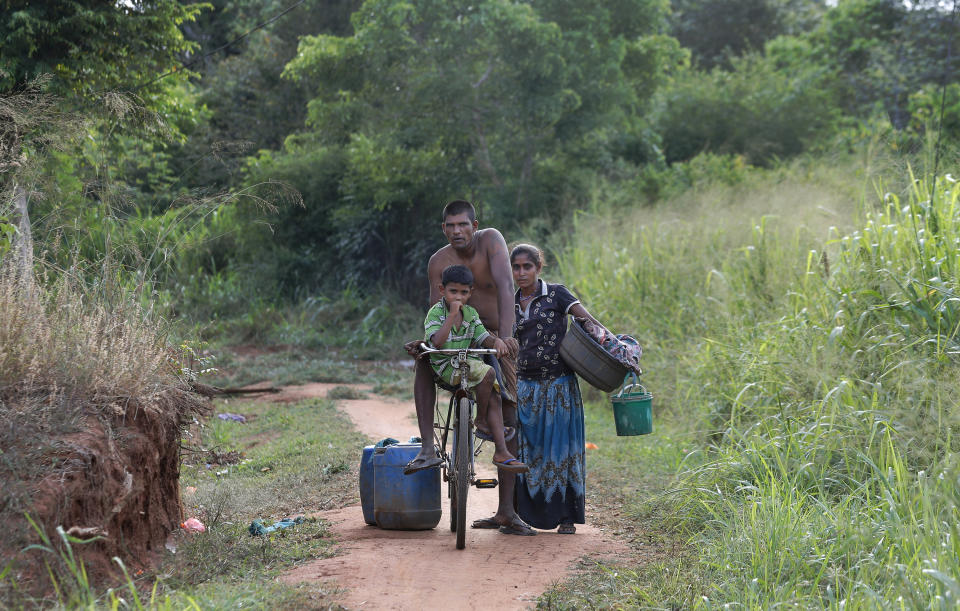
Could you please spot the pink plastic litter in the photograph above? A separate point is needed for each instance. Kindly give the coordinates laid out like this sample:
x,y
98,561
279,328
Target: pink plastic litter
x,y
193,525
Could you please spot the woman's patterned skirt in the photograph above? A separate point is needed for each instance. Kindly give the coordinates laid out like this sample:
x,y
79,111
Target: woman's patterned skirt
x,y
552,444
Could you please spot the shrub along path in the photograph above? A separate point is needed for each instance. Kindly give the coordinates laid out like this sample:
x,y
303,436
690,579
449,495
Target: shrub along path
x,y
382,569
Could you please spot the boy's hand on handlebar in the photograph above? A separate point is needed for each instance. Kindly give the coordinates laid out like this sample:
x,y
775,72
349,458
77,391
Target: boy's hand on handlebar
x,y
513,347
501,347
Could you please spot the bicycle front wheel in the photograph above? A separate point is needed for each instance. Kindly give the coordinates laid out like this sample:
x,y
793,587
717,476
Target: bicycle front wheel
x,y
462,469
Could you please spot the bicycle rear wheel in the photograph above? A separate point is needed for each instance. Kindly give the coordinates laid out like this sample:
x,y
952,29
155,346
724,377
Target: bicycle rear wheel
x,y
462,470
449,471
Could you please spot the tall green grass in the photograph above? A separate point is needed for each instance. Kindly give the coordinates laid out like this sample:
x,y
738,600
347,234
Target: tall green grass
x,y
807,338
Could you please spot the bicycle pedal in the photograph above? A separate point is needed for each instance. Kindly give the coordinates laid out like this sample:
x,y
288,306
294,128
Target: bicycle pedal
x,y
490,482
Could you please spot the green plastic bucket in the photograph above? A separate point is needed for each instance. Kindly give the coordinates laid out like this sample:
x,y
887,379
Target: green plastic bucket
x,y
633,409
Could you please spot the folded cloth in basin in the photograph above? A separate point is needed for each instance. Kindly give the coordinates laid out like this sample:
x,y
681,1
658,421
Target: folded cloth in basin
x,y
624,348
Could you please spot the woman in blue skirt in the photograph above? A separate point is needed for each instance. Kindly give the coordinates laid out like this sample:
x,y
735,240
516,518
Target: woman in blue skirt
x,y
549,407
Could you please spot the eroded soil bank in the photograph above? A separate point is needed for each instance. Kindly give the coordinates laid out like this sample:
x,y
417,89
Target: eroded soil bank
x,y
112,476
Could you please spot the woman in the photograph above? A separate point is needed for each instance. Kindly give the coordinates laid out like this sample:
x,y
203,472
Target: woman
x,y
549,407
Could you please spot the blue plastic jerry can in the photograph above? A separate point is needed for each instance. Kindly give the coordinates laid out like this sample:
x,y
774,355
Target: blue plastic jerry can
x,y
404,502
366,484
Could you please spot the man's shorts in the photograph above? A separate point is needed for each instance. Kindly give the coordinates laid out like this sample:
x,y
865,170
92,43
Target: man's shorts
x,y
507,374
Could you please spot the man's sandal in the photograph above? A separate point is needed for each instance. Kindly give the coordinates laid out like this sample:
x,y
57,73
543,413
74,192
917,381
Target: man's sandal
x,y
420,463
517,527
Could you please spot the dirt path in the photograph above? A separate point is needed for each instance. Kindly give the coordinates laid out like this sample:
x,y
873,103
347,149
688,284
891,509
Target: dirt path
x,y
388,569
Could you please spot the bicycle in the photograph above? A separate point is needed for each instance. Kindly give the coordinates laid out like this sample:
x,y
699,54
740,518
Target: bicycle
x,y
458,466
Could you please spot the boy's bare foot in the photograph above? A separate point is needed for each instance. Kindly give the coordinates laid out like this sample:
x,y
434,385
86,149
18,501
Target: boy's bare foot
x,y
482,432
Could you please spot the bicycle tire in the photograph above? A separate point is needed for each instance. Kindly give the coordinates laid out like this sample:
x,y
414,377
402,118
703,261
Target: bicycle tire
x,y
450,471
462,467
452,494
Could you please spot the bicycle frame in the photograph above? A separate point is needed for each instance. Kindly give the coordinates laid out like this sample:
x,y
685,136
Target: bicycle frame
x,y
457,465
460,362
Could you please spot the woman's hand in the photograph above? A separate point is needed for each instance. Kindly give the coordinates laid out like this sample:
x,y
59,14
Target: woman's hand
x,y
513,347
578,311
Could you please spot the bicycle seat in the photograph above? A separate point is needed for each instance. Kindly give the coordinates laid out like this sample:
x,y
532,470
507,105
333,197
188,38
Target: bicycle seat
x,y
488,359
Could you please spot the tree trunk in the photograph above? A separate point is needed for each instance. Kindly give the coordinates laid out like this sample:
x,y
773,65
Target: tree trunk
x,y
483,152
525,173
23,246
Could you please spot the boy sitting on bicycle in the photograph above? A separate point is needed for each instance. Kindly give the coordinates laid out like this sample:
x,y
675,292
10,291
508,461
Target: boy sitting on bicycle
x,y
452,324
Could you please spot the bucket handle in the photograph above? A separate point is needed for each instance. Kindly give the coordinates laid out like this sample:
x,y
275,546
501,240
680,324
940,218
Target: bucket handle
x,y
635,382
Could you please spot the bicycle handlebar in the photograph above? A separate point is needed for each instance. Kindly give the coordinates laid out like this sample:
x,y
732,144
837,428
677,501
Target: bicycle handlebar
x,y
428,350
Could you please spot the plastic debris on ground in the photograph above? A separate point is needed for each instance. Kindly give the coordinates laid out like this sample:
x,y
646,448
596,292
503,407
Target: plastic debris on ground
x,y
591,446
232,417
257,529
193,525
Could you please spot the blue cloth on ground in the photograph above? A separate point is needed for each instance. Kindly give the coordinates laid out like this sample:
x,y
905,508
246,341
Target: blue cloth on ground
x,y
257,529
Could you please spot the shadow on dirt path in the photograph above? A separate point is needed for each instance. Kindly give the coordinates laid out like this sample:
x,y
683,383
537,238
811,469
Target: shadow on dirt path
x,y
389,569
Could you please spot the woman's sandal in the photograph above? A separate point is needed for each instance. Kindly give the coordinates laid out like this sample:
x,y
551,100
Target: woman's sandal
x,y
566,529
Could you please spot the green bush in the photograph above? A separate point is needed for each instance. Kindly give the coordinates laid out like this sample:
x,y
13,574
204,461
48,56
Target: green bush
x,y
766,107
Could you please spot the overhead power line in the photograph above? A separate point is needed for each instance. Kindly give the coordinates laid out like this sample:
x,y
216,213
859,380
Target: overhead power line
x,y
948,68
187,65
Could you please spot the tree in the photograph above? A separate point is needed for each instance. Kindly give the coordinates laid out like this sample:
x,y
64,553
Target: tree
x,y
249,105
882,51
717,30
512,104
81,50
90,46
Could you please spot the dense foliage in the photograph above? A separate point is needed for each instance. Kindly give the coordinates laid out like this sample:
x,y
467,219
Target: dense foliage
x,y
378,112
706,173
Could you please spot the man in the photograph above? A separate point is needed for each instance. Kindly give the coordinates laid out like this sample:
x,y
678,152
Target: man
x,y
484,252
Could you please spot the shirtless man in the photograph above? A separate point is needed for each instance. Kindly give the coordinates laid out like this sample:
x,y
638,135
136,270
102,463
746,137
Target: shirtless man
x,y
484,251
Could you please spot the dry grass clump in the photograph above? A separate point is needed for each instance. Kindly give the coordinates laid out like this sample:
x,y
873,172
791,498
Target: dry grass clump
x,y
56,339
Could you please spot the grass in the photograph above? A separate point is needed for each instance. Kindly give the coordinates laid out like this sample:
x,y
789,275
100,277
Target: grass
x,y
627,480
282,366
238,366
810,361
353,326
294,458
345,392
60,335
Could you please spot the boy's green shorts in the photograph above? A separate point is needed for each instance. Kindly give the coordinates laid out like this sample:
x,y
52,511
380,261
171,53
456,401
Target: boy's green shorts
x,y
478,371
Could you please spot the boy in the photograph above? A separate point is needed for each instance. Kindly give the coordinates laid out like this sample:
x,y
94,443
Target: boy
x,y
452,324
